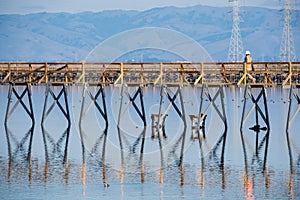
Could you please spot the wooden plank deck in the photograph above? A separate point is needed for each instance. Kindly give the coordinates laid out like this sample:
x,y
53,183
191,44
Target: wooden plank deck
x,y
266,73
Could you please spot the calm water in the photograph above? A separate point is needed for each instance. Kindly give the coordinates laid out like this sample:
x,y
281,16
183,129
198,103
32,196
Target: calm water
x,y
137,166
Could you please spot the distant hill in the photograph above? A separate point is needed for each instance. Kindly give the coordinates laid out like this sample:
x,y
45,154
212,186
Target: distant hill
x,y
70,37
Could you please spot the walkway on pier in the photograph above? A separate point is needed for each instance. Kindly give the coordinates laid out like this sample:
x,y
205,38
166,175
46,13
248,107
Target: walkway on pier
x,y
179,73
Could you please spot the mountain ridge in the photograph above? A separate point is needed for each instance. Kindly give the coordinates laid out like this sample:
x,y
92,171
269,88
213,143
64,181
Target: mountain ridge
x,y
70,37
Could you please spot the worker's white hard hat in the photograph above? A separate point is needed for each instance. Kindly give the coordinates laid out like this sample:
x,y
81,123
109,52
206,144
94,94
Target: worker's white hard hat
x,y
248,53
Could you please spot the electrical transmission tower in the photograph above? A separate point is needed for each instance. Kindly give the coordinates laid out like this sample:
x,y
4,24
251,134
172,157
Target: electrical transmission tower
x,y
287,49
235,53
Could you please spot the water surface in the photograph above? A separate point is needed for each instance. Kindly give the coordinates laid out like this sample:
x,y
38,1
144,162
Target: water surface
x,y
137,166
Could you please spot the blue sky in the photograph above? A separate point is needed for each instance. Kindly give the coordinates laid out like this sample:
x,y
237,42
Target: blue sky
x,y
33,6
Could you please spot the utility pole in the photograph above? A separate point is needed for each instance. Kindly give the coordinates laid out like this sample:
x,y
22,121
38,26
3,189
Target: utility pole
x,y
287,48
235,53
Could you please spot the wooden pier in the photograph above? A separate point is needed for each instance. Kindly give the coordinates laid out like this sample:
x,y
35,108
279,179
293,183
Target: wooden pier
x,y
177,73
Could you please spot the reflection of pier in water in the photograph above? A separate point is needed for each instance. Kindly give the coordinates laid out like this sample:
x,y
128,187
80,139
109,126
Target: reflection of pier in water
x,y
293,110
50,141
257,128
261,116
10,137
101,108
171,105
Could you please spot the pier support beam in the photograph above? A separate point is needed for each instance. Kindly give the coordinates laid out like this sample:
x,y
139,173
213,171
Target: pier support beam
x,y
140,110
158,122
134,98
293,97
28,108
257,128
64,108
29,111
203,112
99,102
293,111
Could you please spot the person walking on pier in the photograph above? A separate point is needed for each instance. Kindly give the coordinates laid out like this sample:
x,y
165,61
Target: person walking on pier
x,y
249,65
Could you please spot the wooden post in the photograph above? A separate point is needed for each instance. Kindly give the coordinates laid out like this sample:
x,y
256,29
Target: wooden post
x,y
30,75
244,77
290,73
83,72
121,75
201,77
46,73
66,75
289,78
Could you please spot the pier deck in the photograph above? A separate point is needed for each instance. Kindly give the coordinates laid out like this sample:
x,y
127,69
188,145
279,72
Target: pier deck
x,y
182,73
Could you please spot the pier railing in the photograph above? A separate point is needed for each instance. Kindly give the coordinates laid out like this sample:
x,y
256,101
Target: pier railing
x,y
182,73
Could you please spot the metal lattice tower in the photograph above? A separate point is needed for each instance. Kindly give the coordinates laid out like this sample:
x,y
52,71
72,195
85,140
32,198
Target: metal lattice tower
x,y
235,53
287,49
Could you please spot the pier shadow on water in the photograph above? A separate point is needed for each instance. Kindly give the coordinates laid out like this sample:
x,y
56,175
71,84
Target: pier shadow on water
x,y
128,141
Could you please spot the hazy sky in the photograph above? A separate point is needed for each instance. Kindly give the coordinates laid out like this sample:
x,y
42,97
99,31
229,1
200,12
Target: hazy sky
x,y
73,6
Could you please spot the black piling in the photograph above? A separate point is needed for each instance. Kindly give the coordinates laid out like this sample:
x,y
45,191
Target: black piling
x,y
28,109
66,113
101,108
294,101
221,113
257,128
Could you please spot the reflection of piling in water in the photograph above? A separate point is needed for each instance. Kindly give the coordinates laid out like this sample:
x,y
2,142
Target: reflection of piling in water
x,y
248,182
140,110
19,148
291,190
248,187
261,143
57,148
181,169
28,136
19,145
101,108
221,113
183,117
158,121
120,137
294,101
159,138
141,162
64,108
202,181
259,112
215,101
28,109
263,114
161,175
83,169
200,176
142,172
